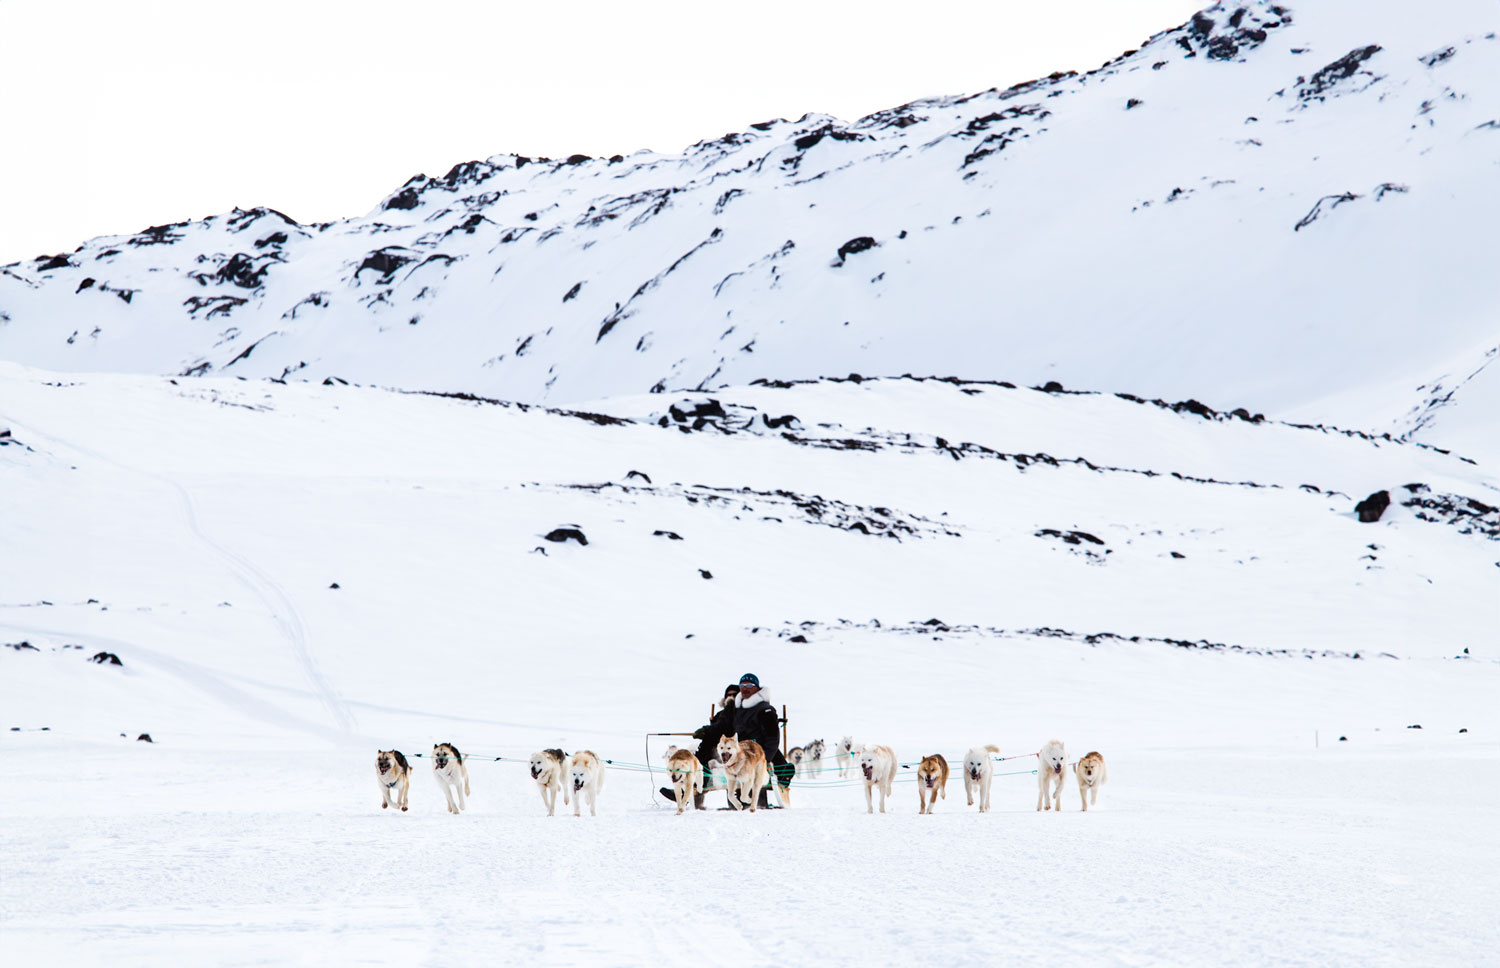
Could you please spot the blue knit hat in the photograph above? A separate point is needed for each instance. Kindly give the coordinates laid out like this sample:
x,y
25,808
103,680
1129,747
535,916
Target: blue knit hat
x,y
748,679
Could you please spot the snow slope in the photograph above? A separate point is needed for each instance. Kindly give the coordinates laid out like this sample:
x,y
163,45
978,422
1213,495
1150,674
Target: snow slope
x,y
881,558
1287,209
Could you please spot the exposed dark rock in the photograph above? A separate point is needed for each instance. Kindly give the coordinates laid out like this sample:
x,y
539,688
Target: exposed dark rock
x,y
705,573
1372,507
641,475
383,261
22,646
1317,86
670,535
572,292
406,198
144,738
1133,103
858,244
1178,554
566,534
242,271
275,238
776,423
798,638
85,284
1415,726
106,658
334,585
53,262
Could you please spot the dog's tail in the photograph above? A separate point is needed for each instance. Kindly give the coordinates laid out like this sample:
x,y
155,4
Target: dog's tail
x,y
1103,773
991,747
465,767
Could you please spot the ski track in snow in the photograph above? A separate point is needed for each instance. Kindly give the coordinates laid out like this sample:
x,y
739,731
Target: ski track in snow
x,y
277,603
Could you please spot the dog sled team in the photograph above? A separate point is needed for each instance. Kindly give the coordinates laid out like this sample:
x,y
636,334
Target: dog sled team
x,y
741,746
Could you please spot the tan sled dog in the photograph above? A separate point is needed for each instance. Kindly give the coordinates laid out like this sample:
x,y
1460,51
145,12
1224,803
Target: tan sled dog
x,y
392,773
586,774
1091,776
878,764
687,776
451,773
932,781
979,770
745,764
547,769
1050,771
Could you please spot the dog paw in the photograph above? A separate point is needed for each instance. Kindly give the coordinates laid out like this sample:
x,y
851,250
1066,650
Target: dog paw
x,y
384,805
403,809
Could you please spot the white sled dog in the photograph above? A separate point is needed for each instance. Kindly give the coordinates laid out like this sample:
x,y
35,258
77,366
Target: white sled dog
x,y
451,773
393,774
979,770
547,769
878,764
843,755
1091,776
932,781
1050,771
587,776
812,759
687,776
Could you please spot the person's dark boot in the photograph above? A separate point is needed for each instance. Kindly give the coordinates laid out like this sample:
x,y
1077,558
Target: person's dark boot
x,y
763,803
669,793
698,802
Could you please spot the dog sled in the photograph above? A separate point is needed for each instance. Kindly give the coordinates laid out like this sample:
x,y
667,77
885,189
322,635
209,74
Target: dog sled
x,y
712,710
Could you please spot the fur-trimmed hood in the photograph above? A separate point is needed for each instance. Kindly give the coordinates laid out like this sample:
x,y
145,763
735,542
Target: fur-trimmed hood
x,y
761,696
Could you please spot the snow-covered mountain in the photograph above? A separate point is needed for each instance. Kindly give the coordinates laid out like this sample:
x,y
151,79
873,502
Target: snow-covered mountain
x,y
1287,208
543,453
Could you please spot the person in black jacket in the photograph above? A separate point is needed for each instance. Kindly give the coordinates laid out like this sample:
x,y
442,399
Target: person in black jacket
x,y
755,719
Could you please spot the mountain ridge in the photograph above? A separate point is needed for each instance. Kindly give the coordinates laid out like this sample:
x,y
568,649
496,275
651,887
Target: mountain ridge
x,y
1206,216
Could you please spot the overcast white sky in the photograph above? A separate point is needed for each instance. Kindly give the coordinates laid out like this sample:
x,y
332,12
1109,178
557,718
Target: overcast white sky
x,y
118,114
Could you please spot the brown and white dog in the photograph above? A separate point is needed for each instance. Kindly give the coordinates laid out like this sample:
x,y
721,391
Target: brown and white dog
x,y
796,756
979,770
878,764
392,773
745,765
1049,771
1091,776
932,781
586,773
451,773
843,755
687,777
547,769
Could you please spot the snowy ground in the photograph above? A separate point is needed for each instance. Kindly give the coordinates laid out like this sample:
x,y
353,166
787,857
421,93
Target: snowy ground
x,y
195,531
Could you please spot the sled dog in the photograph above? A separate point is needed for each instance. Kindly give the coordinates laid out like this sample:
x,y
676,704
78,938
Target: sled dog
x,y
745,764
813,757
796,756
1091,776
932,781
979,770
586,773
392,773
1049,771
547,769
843,755
687,776
451,773
878,764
